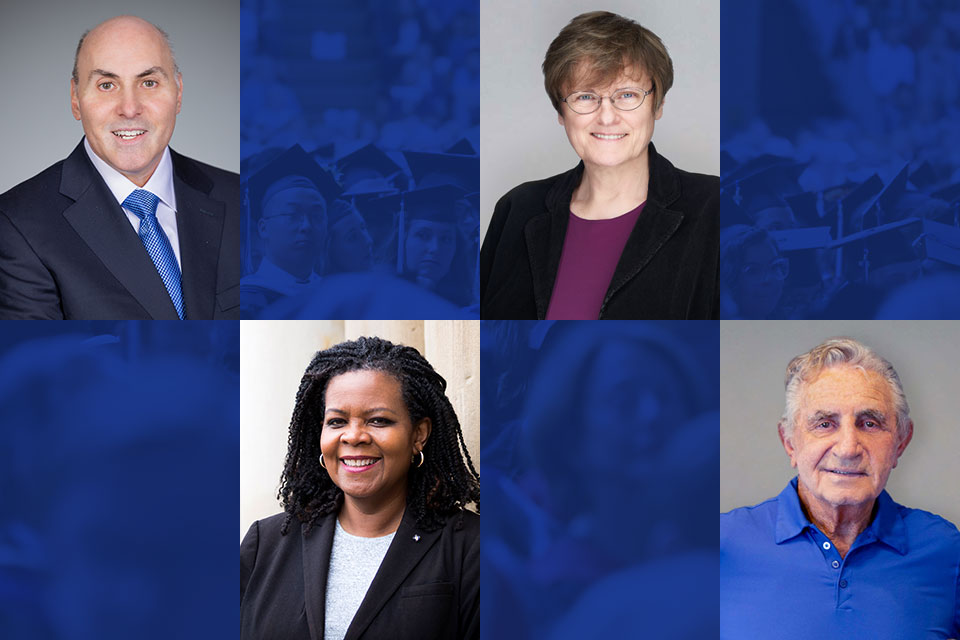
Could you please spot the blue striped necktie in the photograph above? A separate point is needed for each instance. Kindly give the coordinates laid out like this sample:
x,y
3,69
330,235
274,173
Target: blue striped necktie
x,y
143,204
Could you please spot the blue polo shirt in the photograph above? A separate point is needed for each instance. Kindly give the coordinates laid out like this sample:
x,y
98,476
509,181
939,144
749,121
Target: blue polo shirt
x,y
781,578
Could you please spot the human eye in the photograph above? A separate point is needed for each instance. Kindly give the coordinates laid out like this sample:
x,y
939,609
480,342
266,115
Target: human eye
x,y
585,97
627,94
381,421
335,422
105,86
423,235
822,425
150,84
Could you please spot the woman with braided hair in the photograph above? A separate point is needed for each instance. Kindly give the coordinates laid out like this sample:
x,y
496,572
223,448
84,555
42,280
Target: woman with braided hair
x,y
375,540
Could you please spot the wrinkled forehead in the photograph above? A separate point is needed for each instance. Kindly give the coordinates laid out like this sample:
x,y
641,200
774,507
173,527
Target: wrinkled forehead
x,y
125,45
846,386
588,76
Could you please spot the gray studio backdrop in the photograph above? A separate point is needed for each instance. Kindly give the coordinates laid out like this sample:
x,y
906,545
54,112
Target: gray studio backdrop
x,y
520,139
38,39
753,359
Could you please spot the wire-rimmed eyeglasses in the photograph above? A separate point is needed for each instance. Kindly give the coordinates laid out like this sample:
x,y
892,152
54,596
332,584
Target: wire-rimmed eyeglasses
x,y
628,99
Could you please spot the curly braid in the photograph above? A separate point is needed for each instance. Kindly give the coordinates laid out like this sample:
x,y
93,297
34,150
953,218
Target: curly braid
x,y
442,486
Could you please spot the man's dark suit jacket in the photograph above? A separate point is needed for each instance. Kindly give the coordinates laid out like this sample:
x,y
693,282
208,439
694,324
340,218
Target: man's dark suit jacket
x,y
668,269
428,585
68,251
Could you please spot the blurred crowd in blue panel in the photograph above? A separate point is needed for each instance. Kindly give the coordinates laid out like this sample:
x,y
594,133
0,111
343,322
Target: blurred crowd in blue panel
x,y
600,455
840,159
118,476
359,136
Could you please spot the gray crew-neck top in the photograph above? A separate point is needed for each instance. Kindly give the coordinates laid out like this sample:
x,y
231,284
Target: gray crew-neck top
x,y
353,564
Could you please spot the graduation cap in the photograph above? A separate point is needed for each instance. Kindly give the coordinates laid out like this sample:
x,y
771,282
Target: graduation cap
x,y
338,210
924,176
763,183
365,163
940,242
434,169
462,147
880,247
872,203
291,169
432,204
949,194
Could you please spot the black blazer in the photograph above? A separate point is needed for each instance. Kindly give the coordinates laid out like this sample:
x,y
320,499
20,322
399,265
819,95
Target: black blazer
x,y
668,269
67,251
428,585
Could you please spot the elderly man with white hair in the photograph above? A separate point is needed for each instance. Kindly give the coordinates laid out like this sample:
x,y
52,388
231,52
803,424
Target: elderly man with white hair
x,y
833,556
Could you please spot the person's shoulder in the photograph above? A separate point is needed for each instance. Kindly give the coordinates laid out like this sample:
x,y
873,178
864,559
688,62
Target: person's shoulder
x,y
929,525
700,189
22,198
268,529
190,168
755,516
534,191
463,524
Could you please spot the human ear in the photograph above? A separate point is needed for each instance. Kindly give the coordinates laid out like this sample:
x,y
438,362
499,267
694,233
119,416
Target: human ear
x,y
74,99
787,445
421,432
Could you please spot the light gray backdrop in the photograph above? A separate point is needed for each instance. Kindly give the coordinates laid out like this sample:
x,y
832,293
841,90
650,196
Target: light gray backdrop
x,y
38,39
753,360
520,139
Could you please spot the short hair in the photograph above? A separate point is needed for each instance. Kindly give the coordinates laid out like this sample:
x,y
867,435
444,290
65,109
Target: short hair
x,y
442,486
608,44
734,242
837,352
76,56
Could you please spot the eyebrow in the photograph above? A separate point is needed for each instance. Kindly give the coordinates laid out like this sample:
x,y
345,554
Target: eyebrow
x,y
342,412
866,414
142,74
872,414
822,415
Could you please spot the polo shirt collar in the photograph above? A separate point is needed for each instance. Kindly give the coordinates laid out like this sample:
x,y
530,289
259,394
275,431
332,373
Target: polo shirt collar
x,y
887,526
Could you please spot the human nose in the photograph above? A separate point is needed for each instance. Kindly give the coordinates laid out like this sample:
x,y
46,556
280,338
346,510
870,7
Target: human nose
x,y
129,105
355,433
848,441
607,113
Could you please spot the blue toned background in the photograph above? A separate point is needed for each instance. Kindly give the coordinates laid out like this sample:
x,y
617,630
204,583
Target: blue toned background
x,y
118,470
333,78
600,456
840,160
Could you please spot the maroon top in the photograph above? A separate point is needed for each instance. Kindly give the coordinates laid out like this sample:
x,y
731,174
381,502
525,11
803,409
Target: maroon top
x,y
591,250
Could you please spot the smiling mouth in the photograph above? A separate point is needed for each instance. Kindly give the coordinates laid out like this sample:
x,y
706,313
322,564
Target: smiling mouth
x,y
847,474
129,134
609,136
357,465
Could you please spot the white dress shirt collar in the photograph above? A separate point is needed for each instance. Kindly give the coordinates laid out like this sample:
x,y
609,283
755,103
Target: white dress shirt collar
x,y
160,183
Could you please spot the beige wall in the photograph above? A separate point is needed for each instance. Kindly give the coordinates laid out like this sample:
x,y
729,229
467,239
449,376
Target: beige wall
x,y
273,356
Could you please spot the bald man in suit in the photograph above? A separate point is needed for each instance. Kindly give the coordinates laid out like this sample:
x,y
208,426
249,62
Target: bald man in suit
x,y
125,227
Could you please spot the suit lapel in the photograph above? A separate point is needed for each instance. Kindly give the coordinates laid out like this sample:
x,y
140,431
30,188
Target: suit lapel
x,y
652,230
199,227
409,546
544,235
100,222
316,564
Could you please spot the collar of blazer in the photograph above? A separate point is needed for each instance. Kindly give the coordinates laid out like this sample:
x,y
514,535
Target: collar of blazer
x,y
545,233
98,219
404,554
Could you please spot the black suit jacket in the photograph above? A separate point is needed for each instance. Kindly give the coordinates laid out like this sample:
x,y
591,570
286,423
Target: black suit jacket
x,y
668,269
427,587
67,250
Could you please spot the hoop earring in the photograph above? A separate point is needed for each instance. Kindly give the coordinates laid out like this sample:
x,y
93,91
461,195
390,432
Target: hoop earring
x,y
321,462
422,458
